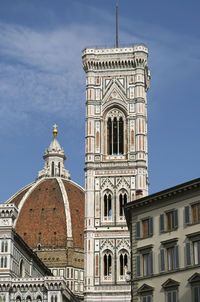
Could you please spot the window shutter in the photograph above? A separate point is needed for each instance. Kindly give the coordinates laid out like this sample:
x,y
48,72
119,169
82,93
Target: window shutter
x,y
162,260
150,269
162,225
138,229
148,298
176,257
138,265
144,299
151,226
188,255
176,219
187,215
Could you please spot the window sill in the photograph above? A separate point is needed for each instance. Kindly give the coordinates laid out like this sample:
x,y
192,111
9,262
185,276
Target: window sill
x,y
168,231
143,238
115,156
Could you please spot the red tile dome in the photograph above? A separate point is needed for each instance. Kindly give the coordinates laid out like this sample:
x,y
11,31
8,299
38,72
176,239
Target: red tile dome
x,y
51,212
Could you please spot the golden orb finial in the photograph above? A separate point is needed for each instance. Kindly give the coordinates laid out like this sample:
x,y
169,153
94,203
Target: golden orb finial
x,y
55,130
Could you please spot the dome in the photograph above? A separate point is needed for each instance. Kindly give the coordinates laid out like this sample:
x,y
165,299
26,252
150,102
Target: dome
x,y
49,210
51,216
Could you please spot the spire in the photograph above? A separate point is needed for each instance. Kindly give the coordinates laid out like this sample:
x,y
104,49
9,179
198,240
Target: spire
x,y
54,158
116,25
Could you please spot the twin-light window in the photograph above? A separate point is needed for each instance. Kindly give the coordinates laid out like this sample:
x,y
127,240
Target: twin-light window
x,y
192,214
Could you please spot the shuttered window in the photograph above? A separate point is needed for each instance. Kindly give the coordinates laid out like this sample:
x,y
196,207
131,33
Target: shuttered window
x,y
144,228
147,264
169,259
169,221
196,213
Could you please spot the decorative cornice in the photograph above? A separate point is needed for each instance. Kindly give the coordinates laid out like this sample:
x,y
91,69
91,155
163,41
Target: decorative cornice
x,y
160,196
170,283
92,64
145,288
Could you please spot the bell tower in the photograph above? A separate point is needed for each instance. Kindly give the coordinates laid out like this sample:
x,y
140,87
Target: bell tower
x,y
116,163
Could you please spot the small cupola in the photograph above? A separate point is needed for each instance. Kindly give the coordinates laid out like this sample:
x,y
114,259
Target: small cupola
x,y
54,158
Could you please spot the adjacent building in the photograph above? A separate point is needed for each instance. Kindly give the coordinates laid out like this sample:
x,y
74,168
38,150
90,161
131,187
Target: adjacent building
x,y
116,164
165,243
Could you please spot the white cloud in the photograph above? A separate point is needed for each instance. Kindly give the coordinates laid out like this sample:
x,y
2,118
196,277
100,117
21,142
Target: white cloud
x,y
40,71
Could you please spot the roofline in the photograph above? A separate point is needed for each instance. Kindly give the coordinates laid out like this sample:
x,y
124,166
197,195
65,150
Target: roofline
x,y
145,201
79,186
32,253
20,191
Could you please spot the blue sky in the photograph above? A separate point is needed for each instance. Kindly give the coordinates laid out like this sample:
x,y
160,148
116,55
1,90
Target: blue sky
x,y
42,82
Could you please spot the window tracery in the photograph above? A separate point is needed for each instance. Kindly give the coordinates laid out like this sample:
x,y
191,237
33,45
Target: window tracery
x,y
115,124
123,264
107,265
107,205
122,203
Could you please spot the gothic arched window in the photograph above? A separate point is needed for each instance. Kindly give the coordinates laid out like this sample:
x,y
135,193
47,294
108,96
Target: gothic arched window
x,y
52,168
122,203
123,263
115,132
107,205
107,264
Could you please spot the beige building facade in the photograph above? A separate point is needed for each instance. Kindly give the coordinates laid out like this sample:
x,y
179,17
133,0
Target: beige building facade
x,y
165,242
117,80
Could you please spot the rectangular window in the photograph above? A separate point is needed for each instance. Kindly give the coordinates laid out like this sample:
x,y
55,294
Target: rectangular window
x,y
147,298
169,259
146,268
147,228
196,252
172,258
169,221
172,296
146,264
196,213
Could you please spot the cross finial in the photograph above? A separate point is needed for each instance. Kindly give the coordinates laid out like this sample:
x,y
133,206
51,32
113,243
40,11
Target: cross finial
x,y
55,130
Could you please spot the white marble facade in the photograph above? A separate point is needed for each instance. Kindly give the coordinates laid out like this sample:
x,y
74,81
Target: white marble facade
x,y
116,163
